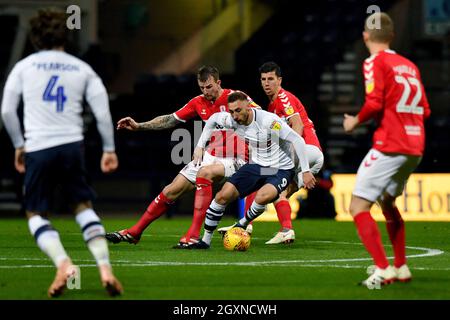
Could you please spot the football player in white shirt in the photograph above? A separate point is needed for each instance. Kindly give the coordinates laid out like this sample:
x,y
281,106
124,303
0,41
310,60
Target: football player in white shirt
x,y
53,84
270,169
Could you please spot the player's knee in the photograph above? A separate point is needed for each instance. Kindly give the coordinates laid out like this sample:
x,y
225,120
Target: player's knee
x,y
205,173
265,197
172,192
222,198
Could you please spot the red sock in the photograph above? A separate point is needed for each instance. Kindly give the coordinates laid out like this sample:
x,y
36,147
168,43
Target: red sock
x,y
284,214
203,198
396,230
156,209
248,202
371,238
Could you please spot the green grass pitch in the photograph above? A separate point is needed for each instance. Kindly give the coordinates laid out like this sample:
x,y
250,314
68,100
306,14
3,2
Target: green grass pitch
x,y
325,262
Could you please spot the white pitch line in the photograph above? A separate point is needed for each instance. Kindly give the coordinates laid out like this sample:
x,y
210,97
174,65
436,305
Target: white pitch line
x,y
300,263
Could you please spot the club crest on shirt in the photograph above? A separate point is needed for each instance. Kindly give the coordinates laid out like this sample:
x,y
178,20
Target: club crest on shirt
x,y
370,85
289,110
275,125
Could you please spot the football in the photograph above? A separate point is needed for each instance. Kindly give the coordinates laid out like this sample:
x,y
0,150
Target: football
x,y
236,239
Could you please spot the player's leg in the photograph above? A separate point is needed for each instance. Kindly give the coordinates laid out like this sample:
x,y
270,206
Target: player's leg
x,y
94,236
157,208
215,211
286,234
374,175
203,196
396,231
394,222
272,186
39,181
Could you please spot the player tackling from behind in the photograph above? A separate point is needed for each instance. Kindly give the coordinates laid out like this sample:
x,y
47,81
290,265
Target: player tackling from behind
x,y
53,85
395,97
224,155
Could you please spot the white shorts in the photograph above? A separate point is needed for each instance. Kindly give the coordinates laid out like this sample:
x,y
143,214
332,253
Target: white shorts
x,y
231,166
380,172
315,159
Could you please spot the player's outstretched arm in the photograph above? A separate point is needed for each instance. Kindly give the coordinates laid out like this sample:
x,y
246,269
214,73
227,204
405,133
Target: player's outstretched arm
x,y
159,123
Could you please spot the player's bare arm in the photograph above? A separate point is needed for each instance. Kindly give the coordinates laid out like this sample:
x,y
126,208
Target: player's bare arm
x,y
295,122
159,123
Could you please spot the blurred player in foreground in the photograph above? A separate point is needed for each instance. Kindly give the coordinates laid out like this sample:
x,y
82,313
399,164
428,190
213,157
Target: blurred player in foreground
x,y
53,85
289,108
225,154
270,168
395,97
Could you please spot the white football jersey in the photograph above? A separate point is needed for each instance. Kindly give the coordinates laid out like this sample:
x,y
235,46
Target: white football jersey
x,y
53,85
266,135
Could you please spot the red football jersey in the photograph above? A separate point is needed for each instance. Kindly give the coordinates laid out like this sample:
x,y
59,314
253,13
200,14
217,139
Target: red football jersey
x,y
223,143
285,106
395,96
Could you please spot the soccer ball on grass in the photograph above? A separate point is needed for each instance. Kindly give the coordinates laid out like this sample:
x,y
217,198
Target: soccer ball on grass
x,y
236,239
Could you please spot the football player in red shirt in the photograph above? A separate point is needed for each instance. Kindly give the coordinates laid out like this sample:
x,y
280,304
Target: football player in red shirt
x,y
395,97
224,156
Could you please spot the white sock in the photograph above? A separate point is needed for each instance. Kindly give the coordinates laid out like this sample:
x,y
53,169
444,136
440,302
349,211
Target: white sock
x,y
207,236
47,239
94,235
253,212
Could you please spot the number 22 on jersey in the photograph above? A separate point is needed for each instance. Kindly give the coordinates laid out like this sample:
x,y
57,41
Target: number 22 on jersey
x,y
59,97
402,107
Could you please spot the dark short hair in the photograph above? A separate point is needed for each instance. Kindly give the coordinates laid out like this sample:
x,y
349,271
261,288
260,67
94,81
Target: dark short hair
x,y
206,71
48,29
237,96
269,67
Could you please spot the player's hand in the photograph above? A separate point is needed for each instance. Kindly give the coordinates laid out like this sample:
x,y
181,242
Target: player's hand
x,y
109,162
197,157
19,160
127,123
350,123
308,180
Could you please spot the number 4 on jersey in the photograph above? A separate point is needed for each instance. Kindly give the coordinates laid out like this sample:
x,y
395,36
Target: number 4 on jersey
x,y
60,98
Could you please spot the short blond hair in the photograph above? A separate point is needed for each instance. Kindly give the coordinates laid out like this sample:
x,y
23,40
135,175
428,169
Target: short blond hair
x,y
384,32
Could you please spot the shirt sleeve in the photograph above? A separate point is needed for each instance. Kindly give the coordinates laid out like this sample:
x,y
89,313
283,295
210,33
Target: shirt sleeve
x,y
221,119
98,100
374,83
10,104
288,107
288,134
187,112
424,101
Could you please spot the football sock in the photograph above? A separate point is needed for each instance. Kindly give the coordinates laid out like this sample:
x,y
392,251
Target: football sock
x,y
252,213
213,215
248,202
94,235
203,197
47,239
396,230
371,238
156,209
284,214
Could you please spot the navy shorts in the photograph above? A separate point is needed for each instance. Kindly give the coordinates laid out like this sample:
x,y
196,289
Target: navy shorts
x,y
252,177
60,166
